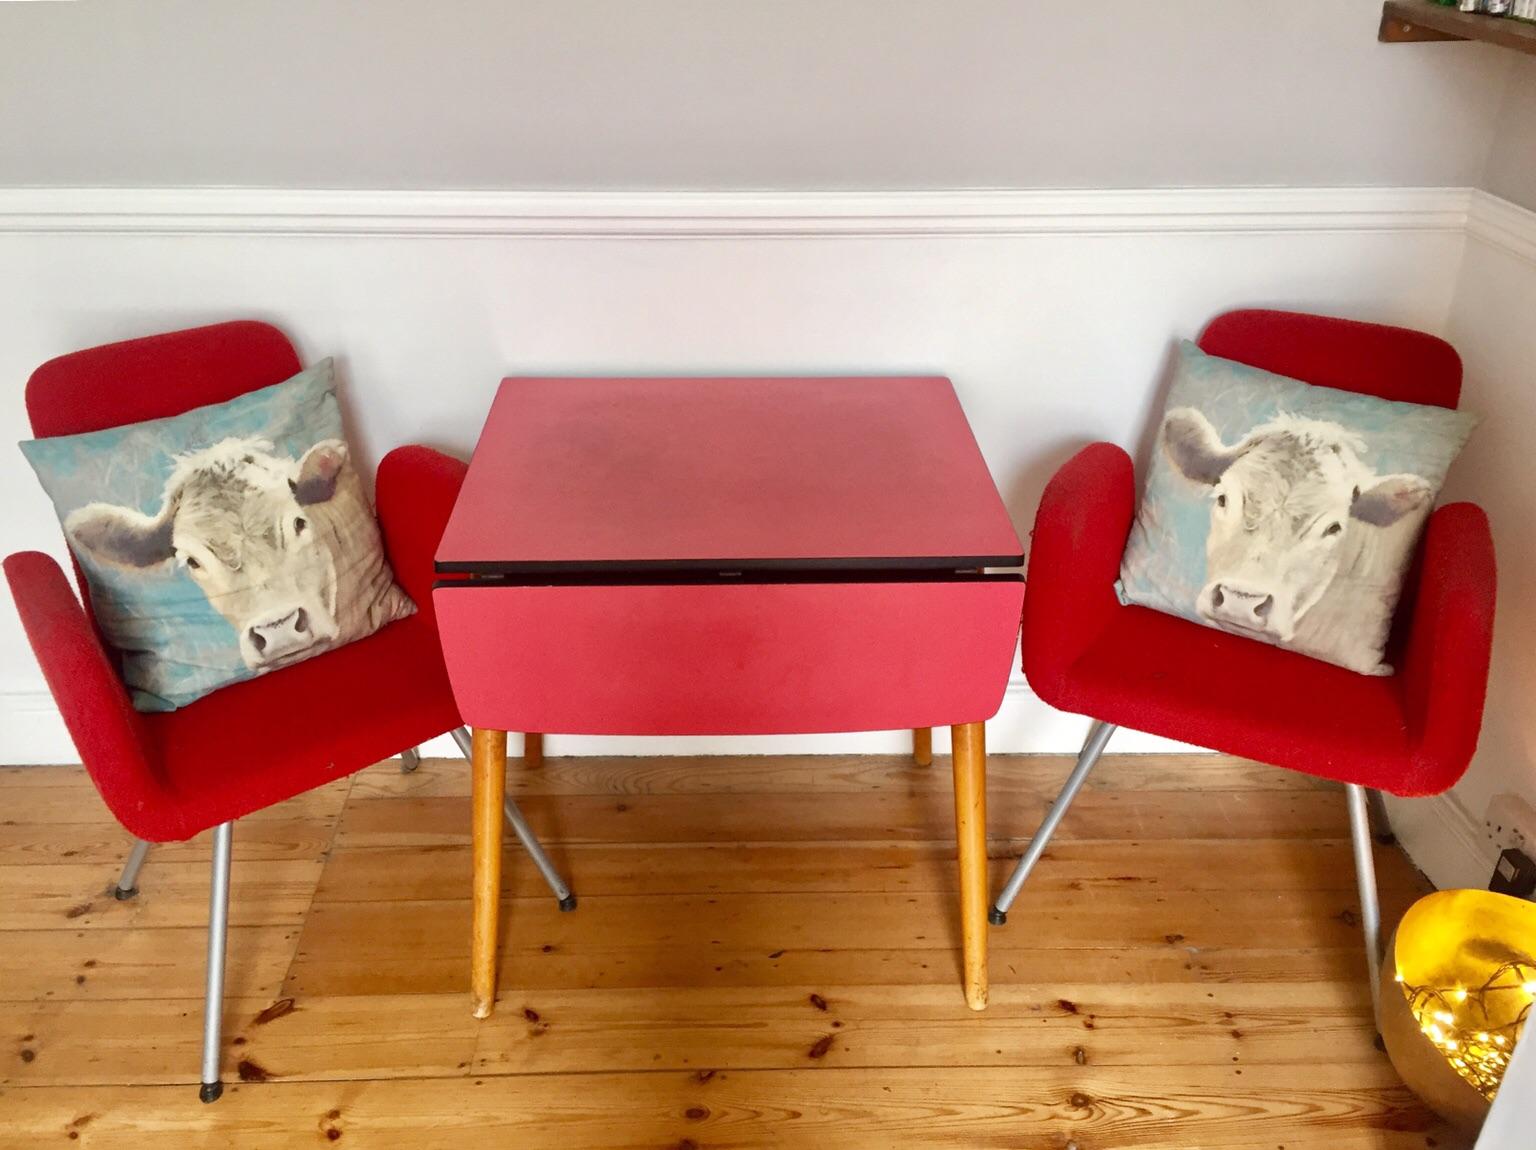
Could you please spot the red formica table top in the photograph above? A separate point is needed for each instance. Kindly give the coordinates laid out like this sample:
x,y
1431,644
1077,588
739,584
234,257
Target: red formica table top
x,y
727,474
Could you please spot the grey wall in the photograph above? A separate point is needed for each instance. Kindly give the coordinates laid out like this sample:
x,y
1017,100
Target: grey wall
x,y
734,93
1511,169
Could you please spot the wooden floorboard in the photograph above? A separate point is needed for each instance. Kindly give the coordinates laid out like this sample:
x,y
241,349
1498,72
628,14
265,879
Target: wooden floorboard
x,y
765,955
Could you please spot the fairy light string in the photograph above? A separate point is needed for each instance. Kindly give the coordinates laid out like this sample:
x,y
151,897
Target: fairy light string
x,y
1461,1021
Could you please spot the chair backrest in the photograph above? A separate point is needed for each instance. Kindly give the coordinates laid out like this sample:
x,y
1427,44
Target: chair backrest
x,y
157,376
154,377
1369,358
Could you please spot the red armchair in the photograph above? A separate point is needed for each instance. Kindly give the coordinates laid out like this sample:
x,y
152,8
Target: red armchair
x,y
1412,733
170,776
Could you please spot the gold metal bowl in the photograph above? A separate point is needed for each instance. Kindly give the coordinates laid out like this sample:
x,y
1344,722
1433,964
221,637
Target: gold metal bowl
x,y
1456,990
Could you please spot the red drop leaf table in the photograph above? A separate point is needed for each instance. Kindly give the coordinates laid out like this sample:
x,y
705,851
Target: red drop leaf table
x,y
727,557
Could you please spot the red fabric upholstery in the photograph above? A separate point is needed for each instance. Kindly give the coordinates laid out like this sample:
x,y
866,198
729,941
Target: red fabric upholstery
x,y
169,776
157,376
1412,733
1369,358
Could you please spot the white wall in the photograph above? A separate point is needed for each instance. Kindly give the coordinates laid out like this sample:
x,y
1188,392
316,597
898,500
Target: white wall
x,y
1511,171
1054,314
804,94
1491,323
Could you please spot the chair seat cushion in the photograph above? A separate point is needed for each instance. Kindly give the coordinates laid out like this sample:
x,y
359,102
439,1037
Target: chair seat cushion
x,y
270,738
1157,673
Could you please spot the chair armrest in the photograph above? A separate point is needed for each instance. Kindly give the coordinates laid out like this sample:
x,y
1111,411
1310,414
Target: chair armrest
x,y
107,731
415,492
1450,641
1074,559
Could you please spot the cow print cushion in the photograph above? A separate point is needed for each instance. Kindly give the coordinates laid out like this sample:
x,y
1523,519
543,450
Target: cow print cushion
x,y
1286,512
226,542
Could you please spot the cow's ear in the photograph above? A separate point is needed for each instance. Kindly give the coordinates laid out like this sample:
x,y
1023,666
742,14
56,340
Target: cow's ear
x,y
122,535
319,471
1388,499
1195,447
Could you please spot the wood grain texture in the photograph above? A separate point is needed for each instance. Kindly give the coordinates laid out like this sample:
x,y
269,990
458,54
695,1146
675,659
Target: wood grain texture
x,y
1412,21
489,764
970,770
1040,775
916,816
922,746
815,1108
1183,970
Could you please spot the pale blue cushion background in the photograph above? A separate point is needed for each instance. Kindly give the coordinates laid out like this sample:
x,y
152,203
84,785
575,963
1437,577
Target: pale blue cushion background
x,y
162,610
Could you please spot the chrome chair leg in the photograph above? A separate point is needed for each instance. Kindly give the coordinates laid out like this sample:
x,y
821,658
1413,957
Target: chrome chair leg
x,y
514,816
410,759
1098,737
1365,877
218,938
128,882
535,851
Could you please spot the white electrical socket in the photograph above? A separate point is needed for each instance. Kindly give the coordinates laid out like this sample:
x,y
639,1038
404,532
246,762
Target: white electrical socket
x,y
1511,823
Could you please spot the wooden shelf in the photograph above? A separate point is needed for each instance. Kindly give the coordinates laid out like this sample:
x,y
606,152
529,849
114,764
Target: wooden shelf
x,y
1410,21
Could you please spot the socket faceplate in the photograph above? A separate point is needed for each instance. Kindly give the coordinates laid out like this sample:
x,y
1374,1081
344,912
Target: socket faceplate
x,y
1511,823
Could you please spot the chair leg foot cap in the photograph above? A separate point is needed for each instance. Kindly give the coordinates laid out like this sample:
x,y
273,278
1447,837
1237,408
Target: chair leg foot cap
x,y
1387,840
124,895
997,917
568,903
210,1091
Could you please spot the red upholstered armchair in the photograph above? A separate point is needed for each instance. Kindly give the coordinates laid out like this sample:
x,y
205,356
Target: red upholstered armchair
x,y
170,776
1412,733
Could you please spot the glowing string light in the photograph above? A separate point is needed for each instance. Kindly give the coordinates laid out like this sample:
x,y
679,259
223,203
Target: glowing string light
x,y
1476,1050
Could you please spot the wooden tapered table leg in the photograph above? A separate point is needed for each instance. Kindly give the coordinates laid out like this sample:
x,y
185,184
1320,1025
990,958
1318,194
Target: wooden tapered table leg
x,y
533,749
922,746
970,756
489,766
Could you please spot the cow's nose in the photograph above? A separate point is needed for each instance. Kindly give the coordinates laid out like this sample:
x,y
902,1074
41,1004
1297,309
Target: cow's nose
x,y
279,638
1244,608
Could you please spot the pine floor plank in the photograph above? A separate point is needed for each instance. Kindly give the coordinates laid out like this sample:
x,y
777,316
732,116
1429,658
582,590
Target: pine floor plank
x,y
884,816
1136,868
387,947
75,896
768,774
914,920
136,1041
317,1038
162,963
1234,1108
106,844
525,967
894,1026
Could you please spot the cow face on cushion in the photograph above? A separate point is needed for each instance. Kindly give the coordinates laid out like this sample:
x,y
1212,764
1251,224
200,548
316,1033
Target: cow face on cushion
x,y
1288,505
242,522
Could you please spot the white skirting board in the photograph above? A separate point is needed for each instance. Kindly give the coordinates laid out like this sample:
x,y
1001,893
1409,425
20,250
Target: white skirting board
x,y
1444,840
